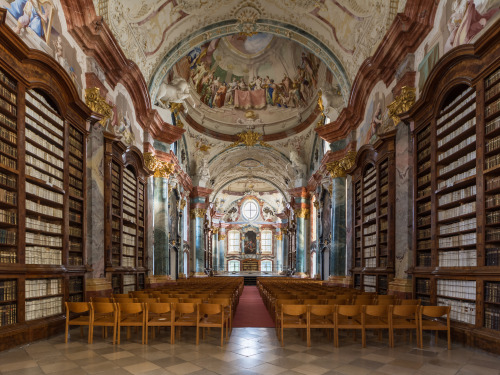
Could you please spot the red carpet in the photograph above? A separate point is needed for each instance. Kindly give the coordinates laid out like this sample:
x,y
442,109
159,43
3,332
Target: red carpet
x,y
251,311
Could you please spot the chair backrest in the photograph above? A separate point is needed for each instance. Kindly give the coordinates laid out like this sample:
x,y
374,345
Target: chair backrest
x,y
210,308
181,295
376,310
321,310
146,299
77,307
192,300
280,302
101,299
435,311
169,300
185,308
385,297
309,301
130,308
349,310
404,310
104,307
159,308
363,301
385,302
337,301
409,302
121,295
200,295
293,309
222,301
124,300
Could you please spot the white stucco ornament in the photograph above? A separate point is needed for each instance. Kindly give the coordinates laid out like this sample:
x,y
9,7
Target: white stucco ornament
x,y
176,91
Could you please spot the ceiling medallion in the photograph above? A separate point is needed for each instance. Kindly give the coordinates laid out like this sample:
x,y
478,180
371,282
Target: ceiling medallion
x,y
247,16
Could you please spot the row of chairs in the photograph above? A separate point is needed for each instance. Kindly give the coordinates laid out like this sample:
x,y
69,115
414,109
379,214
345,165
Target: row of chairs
x,y
146,315
363,317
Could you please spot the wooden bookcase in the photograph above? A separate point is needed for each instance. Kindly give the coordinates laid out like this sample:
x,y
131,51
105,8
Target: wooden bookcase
x,y
456,223
373,200
42,192
125,216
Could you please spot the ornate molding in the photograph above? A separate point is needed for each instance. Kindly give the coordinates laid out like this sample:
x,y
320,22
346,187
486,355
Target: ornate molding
x,y
222,237
402,103
302,213
198,212
249,139
98,104
340,167
159,168
215,230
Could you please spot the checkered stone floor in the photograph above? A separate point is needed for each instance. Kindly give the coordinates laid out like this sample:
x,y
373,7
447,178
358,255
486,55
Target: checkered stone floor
x,y
249,351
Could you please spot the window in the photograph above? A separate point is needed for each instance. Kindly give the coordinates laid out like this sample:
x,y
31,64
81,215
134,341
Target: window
x,y
250,210
266,242
233,266
266,266
234,241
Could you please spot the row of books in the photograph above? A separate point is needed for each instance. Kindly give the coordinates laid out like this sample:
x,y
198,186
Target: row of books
x,y
371,262
370,229
128,262
75,284
492,125
463,128
459,226
33,115
76,144
43,255
462,258
38,309
8,290
43,226
74,161
424,179
423,220
370,280
493,201
75,151
7,237
370,251
75,205
128,240
491,109
457,195
423,207
424,245
464,209
8,217
6,80
75,246
128,251
36,288
468,101
8,135
457,148
492,161
423,233
492,292
457,163
492,78
493,234
128,217
367,218
75,172
75,231
493,144
423,286
8,256
8,314
76,182
41,103
75,134
465,289
11,163
50,180
422,154
56,149
129,230
492,317
7,94
75,192
44,210
42,155
458,241
4,120
8,107
42,240
424,192
75,260
77,218
493,217
8,196
492,183
492,256
461,311
9,181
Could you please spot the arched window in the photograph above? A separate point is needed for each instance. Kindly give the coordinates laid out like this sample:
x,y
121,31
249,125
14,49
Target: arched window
x,y
250,210
233,242
266,242
233,266
266,266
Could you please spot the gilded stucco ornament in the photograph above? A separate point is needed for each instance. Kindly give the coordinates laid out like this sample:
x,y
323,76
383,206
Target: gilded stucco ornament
x,y
249,139
159,168
182,204
176,109
198,212
321,108
279,237
402,103
222,237
340,167
98,104
302,213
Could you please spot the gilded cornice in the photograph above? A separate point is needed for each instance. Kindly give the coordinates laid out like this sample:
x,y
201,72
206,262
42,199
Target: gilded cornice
x,y
402,103
98,104
159,168
340,167
302,213
198,212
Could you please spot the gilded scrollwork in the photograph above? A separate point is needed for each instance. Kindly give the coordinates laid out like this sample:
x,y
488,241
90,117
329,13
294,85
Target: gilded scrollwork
x,y
98,104
402,103
158,167
302,213
198,212
340,167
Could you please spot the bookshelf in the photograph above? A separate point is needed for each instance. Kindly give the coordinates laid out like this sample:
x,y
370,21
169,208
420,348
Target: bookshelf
x,y
42,164
125,200
456,240
373,219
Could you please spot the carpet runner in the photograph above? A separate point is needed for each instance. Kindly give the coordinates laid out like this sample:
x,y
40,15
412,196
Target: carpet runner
x,y
251,311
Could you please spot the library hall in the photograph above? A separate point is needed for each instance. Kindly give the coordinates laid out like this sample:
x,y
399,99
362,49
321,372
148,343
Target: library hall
x,y
249,187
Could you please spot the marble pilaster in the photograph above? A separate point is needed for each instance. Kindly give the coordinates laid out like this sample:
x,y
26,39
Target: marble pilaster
x,y
150,230
221,260
161,241
338,245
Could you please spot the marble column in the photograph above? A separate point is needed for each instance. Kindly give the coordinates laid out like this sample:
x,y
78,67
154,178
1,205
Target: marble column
x,y
150,229
198,248
301,203
221,260
278,267
215,249
161,247
338,220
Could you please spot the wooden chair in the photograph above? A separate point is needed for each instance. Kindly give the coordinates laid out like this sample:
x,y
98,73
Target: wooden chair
x,y
311,301
159,315
101,299
131,315
169,300
228,312
363,300
320,316
277,311
348,317
403,317
146,299
121,295
185,316
210,315
375,317
81,320
124,300
409,302
292,316
191,300
337,301
180,295
105,314
433,324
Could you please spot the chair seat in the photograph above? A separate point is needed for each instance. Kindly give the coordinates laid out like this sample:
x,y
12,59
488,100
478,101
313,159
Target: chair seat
x,y
349,322
321,320
434,324
81,320
159,320
372,320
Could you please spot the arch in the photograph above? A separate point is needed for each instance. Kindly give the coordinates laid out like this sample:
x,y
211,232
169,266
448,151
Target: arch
x,y
229,27
216,192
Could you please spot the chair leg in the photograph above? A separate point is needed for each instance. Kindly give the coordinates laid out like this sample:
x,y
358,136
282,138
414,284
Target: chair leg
x,y
197,335
66,329
449,339
363,337
222,335
118,338
436,334
308,336
81,332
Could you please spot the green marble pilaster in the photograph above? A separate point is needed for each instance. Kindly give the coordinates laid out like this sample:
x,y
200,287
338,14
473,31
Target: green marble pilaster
x,y
338,246
302,235
161,246
221,260
279,254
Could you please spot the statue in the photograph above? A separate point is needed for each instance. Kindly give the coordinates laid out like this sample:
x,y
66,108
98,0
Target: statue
x,y
331,101
176,91
299,168
203,173
232,214
267,213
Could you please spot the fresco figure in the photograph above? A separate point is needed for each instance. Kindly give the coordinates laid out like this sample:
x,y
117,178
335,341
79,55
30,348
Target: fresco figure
x,y
29,13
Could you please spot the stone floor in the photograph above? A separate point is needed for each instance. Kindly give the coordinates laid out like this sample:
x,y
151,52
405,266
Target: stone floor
x,y
249,351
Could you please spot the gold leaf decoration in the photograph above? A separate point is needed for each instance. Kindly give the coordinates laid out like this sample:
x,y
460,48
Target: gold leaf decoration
x,y
98,104
340,167
402,103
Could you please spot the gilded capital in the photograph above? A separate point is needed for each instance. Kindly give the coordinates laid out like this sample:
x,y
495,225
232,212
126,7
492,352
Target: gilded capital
x,y
222,237
302,213
402,103
198,212
98,104
279,237
340,167
159,168
182,204
215,230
